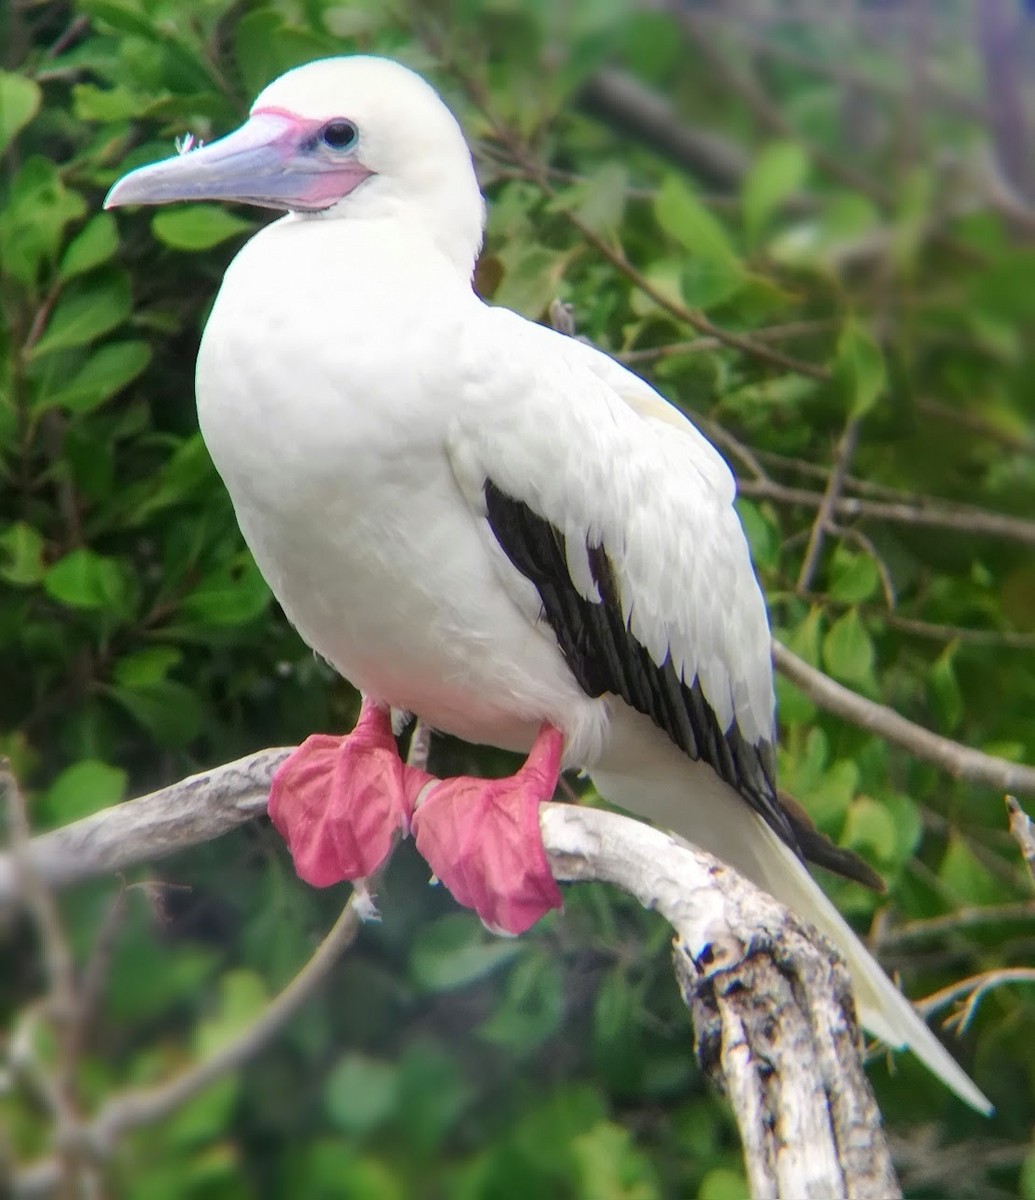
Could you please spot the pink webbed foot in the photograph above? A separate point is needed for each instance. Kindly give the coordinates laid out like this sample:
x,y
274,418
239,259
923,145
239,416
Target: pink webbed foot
x,y
339,802
481,837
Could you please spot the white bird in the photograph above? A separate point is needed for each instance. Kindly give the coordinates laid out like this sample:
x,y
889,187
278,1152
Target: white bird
x,y
480,521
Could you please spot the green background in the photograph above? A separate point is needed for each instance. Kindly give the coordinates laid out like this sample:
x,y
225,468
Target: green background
x,y
859,206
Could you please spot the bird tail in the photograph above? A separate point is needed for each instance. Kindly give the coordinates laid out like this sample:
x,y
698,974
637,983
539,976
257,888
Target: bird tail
x,y
710,814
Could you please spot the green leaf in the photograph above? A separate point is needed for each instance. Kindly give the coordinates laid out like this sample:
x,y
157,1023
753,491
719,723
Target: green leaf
x,y
869,825
85,579
93,245
722,1183
776,174
455,951
86,314
433,1093
610,1167
82,789
531,278
859,368
763,535
146,667
968,878
944,690
532,1008
362,1093
705,282
682,216
618,1032
19,102
33,216
854,577
21,554
172,712
848,652
105,373
198,226
242,996
232,595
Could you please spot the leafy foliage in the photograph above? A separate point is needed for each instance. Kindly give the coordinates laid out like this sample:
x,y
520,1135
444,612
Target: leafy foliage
x,y
868,239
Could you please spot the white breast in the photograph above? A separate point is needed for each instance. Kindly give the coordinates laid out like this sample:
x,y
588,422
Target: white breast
x,y
342,487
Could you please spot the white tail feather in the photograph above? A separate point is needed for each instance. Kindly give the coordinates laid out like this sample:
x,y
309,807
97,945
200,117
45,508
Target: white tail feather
x,y
701,808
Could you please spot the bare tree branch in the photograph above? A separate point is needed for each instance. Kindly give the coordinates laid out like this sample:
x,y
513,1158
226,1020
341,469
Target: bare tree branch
x,y
147,1106
961,518
959,761
792,1070
831,495
626,103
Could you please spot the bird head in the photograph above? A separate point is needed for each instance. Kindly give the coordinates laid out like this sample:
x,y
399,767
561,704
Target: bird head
x,y
340,137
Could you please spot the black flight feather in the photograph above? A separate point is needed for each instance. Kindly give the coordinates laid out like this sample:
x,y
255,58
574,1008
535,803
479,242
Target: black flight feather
x,y
603,655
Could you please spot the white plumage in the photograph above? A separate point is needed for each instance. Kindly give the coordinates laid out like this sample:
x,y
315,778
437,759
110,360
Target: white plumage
x,y
357,396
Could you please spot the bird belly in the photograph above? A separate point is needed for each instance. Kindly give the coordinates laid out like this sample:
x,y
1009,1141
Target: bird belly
x,y
408,609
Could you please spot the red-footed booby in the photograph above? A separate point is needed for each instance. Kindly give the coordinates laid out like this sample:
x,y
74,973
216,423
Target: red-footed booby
x,y
480,521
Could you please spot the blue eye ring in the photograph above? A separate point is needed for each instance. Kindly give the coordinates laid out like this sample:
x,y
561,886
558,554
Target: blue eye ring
x,y
339,134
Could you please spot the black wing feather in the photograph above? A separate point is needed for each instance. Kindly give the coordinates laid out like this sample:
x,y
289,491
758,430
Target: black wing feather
x,y
604,657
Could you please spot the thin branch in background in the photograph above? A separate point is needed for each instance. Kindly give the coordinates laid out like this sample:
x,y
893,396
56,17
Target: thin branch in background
x,y
61,1000
851,534
892,937
147,1106
768,115
922,514
838,71
974,988
1023,833
538,174
961,762
765,333
973,423
934,631
835,484
626,103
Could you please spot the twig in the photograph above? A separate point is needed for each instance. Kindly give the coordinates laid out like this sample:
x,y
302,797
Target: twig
x,y
140,1107
696,320
954,922
765,333
957,760
1008,639
60,971
960,519
1022,832
840,72
831,494
768,114
974,988
625,102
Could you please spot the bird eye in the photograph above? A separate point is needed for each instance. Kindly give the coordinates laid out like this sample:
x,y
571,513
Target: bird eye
x,y
338,135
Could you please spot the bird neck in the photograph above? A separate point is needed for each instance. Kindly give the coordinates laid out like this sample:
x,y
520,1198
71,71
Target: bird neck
x,y
446,210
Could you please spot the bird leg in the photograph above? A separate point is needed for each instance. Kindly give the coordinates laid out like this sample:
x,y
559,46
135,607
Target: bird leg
x,y
481,837
339,802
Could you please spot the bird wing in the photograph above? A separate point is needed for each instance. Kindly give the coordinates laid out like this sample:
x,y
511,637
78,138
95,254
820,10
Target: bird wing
x,y
620,515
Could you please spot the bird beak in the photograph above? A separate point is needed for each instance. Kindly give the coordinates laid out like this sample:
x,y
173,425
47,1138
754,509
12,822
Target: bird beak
x,y
271,161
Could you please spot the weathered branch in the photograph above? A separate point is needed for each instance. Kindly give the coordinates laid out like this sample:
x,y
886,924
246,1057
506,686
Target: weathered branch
x,y
775,1019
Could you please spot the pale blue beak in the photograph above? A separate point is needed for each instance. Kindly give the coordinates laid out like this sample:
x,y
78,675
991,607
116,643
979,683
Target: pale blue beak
x,y
274,160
